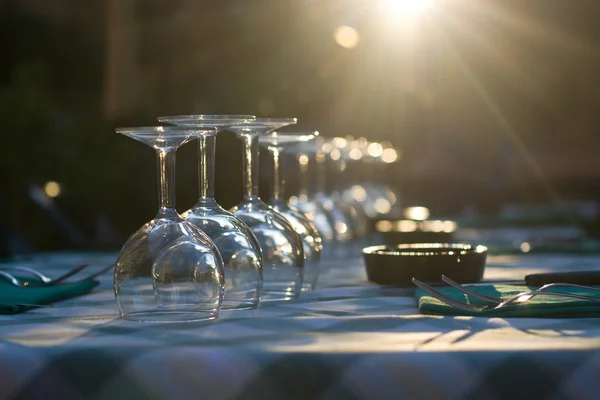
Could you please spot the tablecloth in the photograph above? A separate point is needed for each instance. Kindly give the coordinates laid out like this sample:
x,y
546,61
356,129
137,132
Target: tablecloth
x,y
346,340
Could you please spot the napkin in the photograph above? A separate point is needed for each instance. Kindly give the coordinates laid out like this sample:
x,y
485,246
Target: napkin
x,y
16,299
539,306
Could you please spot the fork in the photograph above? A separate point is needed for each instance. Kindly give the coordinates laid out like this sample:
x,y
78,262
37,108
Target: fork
x,y
498,301
45,280
519,298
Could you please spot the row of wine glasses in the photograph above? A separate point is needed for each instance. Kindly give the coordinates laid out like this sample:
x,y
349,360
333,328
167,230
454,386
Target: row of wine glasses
x,y
276,144
366,184
188,267
348,190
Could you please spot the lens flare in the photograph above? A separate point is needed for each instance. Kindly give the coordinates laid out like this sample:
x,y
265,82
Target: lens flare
x,y
346,36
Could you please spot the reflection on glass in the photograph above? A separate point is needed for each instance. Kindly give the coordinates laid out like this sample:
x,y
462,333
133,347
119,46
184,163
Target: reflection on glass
x,y
338,211
345,151
239,248
169,270
367,189
305,202
275,143
283,256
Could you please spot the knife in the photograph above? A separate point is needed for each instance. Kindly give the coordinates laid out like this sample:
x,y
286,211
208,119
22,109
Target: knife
x,y
589,278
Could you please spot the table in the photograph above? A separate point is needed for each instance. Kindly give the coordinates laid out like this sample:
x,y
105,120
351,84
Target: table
x,y
346,340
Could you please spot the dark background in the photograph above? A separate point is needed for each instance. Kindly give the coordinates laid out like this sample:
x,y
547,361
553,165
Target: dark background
x,y
487,101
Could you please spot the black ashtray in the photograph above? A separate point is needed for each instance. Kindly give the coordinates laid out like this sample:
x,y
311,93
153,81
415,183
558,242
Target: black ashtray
x,y
408,231
397,265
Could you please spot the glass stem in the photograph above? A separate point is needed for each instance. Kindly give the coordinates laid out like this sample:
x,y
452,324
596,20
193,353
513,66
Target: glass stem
x,y
250,167
278,178
337,169
206,163
166,181
321,171
303,165
277,181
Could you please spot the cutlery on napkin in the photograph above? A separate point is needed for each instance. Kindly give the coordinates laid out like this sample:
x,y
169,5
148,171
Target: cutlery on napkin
x,y
18,299
536,307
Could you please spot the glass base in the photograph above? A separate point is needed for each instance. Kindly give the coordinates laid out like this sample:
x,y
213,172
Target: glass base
x,y
170,316
236,305
268,296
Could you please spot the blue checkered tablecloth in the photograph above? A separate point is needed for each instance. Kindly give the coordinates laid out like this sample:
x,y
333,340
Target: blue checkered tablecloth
x,y
346,340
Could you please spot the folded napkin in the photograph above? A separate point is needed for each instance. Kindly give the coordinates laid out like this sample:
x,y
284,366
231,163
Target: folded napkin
x,y
16,299
539,306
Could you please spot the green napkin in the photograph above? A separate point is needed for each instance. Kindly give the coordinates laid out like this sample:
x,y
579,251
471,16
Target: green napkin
x,y
16,299
539,306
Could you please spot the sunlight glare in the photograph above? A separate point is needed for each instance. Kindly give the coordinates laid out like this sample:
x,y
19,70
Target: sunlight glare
x,y
406,7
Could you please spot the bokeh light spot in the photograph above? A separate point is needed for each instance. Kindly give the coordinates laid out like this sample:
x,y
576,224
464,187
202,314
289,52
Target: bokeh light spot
x,y
335,154
384,226
52,189
359,193
416,213
346,36
375,149
389,156
355,154
525,247
382,206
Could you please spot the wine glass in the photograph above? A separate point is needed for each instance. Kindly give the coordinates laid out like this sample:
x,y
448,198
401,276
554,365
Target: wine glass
x,y
169,270
369,188
305,152
350,152
283,256
239,248
337,211
347,212
276,143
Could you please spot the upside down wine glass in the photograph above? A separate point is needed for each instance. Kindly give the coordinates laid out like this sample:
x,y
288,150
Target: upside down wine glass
x,y
368,188
304,152
346,153
340,221
239,248
276,143
283,256
169,270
